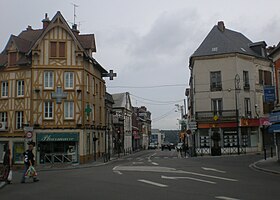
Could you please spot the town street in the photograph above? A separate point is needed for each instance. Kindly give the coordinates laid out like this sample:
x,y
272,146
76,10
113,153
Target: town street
x,y
153,175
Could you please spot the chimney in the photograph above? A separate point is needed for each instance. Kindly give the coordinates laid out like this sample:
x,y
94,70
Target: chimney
x,y
46,21
29,28
75,30
221,26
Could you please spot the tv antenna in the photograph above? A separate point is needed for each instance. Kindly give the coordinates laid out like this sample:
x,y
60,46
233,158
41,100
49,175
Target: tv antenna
x,y
75,16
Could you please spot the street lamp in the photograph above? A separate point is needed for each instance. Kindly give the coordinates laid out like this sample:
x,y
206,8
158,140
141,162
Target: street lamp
x,y
237,88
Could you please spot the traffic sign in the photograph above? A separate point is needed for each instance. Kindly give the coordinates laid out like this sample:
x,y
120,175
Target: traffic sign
x,y
29,135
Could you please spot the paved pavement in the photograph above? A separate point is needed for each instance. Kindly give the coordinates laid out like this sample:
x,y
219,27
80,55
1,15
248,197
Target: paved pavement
x,y
270,165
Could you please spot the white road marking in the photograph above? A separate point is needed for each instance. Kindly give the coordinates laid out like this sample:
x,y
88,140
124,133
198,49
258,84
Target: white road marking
x,y
190,178
118,172
226,198
211,169
137,163
152,183
140,159
154,163
167,170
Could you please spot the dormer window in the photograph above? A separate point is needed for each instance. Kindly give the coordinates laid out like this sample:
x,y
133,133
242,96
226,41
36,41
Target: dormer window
x,y
57,50
12,58
215,49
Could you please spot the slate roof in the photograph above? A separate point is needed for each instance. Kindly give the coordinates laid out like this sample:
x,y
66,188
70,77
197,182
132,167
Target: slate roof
x,y
226,41
87,41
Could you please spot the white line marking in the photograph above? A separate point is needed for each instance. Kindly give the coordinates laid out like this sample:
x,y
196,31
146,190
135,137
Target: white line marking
x,y
167,170
211,169
154,163
152,183
226,198
118,172
190,178
136,163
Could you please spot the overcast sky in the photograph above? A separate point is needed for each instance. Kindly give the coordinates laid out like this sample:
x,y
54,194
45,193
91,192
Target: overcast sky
x,y
148,42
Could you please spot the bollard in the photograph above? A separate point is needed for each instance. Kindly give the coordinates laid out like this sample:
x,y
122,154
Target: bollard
x,y
271,152
264,152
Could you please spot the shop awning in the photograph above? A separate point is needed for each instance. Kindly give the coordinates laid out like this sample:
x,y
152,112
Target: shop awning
x,y
274,128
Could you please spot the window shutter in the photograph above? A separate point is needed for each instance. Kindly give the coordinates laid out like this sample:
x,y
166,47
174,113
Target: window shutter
x,y
53,49
61,49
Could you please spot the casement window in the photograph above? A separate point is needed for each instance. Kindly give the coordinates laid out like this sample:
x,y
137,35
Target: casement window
x,y
68,109
265,77
48,110
57,50
87,80
93,113
247,107
93,85
48,79
217,106
19,120
3,117
215,81
246,80
4,88
20,88
12,58
69,80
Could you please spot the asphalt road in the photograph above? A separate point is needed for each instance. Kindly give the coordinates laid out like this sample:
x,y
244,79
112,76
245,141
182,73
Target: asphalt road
x,y
153,175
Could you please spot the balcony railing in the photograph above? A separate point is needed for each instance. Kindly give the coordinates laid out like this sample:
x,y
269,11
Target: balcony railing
x,y
209,116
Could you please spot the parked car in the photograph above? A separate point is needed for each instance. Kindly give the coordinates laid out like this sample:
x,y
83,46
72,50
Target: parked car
x,y
172,145
152,146
166,145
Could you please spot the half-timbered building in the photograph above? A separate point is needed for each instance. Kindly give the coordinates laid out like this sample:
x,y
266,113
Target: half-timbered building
x,y
52,92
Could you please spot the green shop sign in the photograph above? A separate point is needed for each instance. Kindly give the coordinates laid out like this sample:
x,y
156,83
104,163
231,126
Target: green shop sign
x,y
58,137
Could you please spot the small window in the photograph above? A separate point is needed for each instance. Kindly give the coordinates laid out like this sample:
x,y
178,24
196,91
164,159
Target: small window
x,y
48,110
4,88
20,88
69,80
12,58
215,49
69,110
19,120
48,79
53,49
87,80
3,117
61,49
215,81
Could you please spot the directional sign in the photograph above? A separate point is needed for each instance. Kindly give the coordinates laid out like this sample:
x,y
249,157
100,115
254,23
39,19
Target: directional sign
x,y
88,110
269,94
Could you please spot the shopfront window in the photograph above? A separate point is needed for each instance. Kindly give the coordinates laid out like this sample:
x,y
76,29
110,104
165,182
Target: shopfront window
x,y
3,146
18,152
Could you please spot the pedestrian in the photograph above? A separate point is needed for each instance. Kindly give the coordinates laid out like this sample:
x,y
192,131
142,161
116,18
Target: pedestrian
x,y
7,162
29,160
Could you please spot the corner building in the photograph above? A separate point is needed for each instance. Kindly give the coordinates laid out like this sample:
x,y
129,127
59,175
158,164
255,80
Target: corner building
x,y
228,76
52,92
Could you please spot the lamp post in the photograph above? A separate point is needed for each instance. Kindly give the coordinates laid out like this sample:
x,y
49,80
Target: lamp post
x,y
237,88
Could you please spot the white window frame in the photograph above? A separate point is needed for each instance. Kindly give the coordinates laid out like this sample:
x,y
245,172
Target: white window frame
x,y
48,109
4,89
48,79
20,88
69,80
19,119
3,116
68,109
93,113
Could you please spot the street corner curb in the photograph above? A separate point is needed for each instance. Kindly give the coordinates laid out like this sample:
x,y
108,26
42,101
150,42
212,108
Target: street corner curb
x,y
2,184
254,166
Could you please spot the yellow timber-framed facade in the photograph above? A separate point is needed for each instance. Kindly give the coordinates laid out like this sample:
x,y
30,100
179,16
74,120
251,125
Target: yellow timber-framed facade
x,y
56,94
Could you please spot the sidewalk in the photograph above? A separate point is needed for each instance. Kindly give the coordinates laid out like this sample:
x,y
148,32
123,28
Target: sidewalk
x,y
270,165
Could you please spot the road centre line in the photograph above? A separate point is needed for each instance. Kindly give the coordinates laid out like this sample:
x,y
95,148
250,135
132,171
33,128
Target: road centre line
x,y
190,178
152,183
226,198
